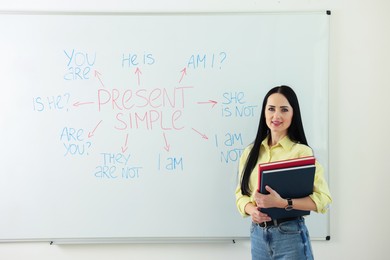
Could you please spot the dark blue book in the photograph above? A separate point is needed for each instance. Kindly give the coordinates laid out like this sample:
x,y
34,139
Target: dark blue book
x,y
292,182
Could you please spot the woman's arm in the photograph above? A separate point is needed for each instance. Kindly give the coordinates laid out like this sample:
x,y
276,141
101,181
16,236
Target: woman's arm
x,y
256,215
273,200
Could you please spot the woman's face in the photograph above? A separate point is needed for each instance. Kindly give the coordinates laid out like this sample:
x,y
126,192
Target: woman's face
x,y
278,114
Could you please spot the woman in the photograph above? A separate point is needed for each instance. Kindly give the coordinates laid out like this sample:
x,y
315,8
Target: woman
x,y
280,136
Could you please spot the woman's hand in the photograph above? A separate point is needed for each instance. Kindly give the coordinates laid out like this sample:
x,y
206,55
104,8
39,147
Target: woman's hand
x,y
271,200
256,215
264,201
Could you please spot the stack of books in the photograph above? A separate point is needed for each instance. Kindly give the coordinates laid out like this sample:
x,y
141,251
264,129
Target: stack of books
x,y
291,179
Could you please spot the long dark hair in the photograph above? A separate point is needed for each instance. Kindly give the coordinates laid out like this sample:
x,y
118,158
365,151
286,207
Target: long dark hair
x,y
295,132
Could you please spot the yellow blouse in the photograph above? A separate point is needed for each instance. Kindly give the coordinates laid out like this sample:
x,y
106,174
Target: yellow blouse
x,y
285,149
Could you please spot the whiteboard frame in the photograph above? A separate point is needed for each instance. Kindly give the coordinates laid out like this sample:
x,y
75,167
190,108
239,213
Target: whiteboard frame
x,y
170,239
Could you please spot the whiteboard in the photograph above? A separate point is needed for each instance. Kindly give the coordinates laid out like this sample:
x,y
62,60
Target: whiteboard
x,y
130,126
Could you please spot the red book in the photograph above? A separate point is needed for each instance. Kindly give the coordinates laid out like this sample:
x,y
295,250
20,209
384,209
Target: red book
x,y
301,161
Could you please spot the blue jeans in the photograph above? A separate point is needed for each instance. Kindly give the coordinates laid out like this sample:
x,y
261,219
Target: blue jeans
x,y
288,241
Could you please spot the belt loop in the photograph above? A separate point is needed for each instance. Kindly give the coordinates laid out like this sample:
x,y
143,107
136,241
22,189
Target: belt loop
x,y
275,222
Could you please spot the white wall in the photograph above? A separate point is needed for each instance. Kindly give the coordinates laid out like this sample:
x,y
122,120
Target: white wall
x,y
359,124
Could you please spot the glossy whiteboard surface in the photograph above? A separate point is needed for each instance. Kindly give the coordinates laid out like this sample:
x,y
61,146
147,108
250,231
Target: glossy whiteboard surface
x,y
131,125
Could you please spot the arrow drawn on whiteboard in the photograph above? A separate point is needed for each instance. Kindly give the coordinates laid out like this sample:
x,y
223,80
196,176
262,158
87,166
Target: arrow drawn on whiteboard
x,y
138,72
124,148
209,102
167,146
203,135
90,134
82,103
183,72
97,75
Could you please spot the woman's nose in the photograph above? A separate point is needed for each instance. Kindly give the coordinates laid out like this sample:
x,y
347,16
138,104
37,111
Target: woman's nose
x,y
277,114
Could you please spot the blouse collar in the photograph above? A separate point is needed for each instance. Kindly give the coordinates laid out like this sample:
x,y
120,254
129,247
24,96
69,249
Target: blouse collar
x,y
285,142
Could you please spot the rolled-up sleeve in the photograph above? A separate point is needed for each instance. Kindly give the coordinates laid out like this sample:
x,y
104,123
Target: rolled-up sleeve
x,y
242,200
321,194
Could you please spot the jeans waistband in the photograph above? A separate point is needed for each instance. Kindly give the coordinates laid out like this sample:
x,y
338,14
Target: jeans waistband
x,y
276,222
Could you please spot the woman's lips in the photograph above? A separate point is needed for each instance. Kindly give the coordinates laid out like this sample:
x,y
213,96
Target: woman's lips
x,y
276,123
